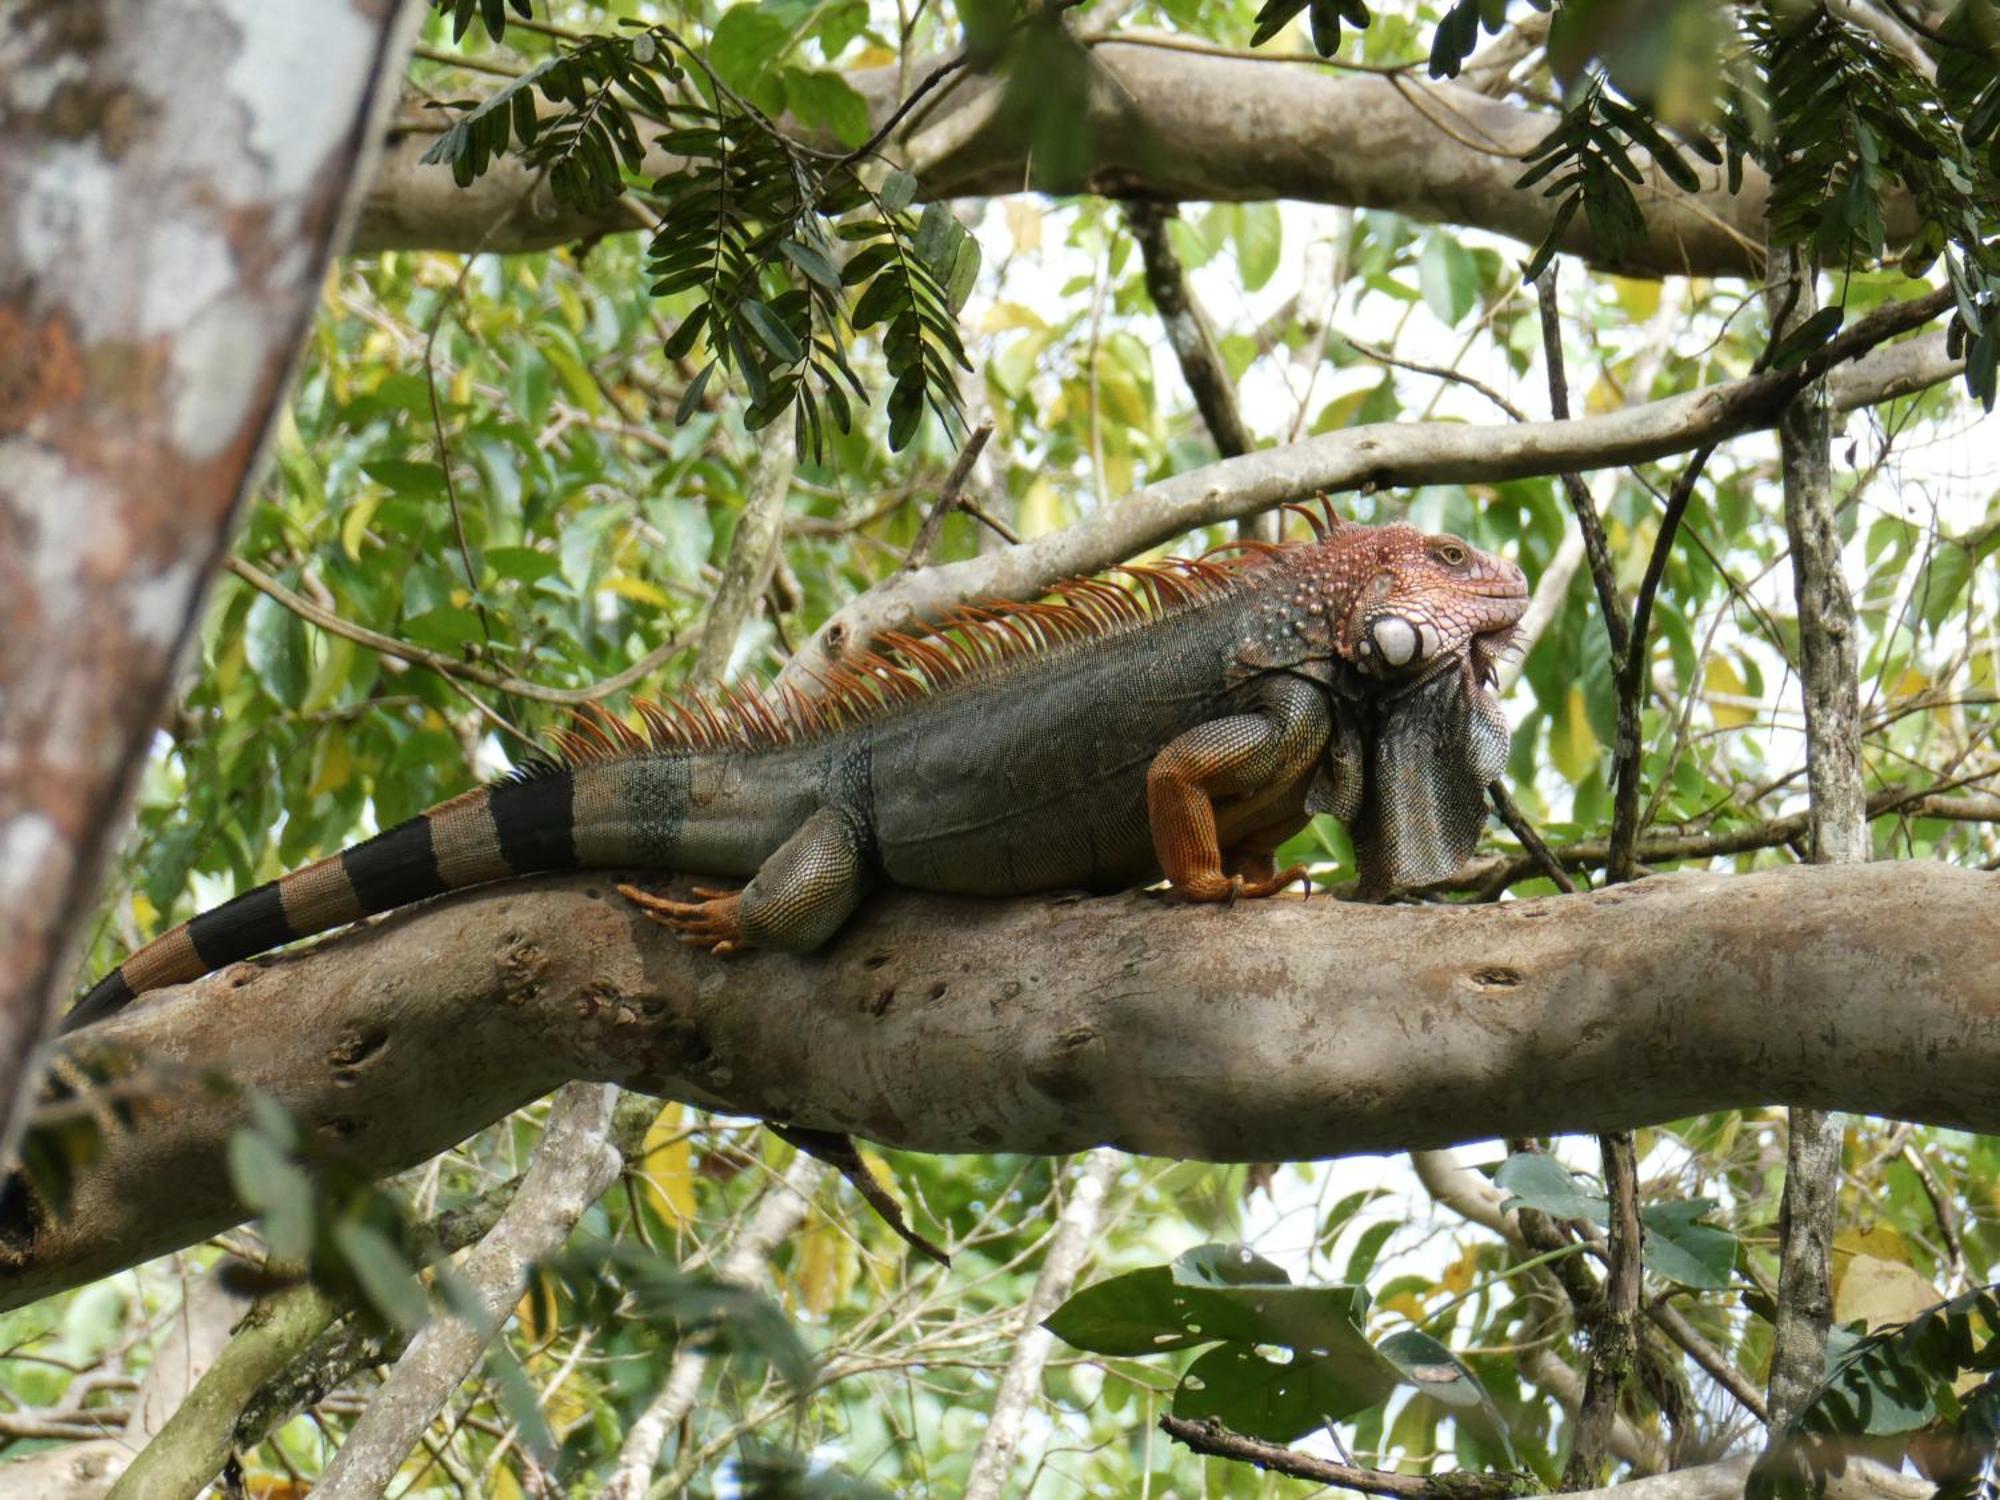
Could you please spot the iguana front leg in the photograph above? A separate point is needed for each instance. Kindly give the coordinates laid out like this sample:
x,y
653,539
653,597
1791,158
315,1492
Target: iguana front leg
x,y
1268,750
796,901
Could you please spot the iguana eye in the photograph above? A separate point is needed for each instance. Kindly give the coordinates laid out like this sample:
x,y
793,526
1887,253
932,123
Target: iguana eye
x,y
1451,554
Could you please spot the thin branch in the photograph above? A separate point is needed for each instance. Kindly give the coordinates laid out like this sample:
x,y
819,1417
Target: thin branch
x,y
1210,1437
1631,680
1595,547
1069,1250
445,666
780,1210
951,496
1518,824
574,1163
1613,1320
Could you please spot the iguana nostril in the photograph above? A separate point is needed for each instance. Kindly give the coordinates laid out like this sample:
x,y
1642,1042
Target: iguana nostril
x,y
1397,640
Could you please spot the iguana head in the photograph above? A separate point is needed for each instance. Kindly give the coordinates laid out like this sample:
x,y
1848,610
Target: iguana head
x,y
1421,600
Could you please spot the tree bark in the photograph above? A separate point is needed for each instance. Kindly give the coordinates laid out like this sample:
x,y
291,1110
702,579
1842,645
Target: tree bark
x,y
1190,126
574,1163
1277,1030
169,196
1837,824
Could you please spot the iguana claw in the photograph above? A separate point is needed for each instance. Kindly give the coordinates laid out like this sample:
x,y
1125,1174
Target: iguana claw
x,y
712,922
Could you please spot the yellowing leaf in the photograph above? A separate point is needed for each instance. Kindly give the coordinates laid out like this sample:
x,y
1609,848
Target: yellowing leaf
x,y
144,912
666,1168
354,524
1041,510
1572,742
537,1311
1602,397
1409,1304
1458,1275
1024,222
638,589
1004,315
1640,299
335,765
825,1268
1722,684
505,1486
1881,1292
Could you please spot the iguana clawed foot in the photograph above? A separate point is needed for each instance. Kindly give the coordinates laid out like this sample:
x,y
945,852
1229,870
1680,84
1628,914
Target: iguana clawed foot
x,y
714,922
1228,889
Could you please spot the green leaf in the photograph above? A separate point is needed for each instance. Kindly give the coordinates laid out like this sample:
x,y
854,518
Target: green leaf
x,y
772,332
748,40
1436,1372
690,400
1227,1265
1279,1401
1449,277
1537,1181
448,628
1259,242
275,645
1140,1312
906,407
899,191
277,1189
1679,1249
384,1274
828,102
1807,336
815,265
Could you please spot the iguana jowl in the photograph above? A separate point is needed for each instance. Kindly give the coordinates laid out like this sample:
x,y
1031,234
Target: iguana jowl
x,y
1183,729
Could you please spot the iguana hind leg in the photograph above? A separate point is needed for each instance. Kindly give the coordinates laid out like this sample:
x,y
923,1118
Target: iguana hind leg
x,y
1270,749
795,902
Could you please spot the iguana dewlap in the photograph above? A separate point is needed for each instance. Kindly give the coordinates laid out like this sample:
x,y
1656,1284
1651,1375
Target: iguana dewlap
x,y
1183,728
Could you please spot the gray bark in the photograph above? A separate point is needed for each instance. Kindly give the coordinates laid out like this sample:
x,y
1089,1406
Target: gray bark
x,y
574,1163
1168,124
1276,1030
1068,1252
169,196
1837,830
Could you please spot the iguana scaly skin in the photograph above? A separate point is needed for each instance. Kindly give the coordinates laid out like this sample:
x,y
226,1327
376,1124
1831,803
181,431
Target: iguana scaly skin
x,y
1182,728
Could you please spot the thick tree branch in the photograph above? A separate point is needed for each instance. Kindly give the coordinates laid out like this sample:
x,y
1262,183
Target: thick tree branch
x,y
1389,454
1177,124
1069,1250
166,210
1275,1030
573,1164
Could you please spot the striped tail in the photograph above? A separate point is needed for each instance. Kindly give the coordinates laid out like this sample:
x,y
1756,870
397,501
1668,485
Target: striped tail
x,y
522,826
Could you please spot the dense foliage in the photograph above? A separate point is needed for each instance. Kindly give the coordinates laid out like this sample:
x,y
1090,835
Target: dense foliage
x,y
511,486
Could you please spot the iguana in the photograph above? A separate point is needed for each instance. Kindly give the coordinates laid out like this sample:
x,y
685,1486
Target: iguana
x,y
1183,726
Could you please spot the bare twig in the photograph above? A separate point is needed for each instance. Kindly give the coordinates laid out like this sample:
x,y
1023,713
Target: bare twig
x,y
746,1263
1595,547
1518,824
1613,1321
1626,759
445,666
951,496
1069,1248
1211,1437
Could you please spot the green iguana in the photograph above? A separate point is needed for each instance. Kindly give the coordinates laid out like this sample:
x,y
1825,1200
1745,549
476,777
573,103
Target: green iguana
x,y
1184,727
